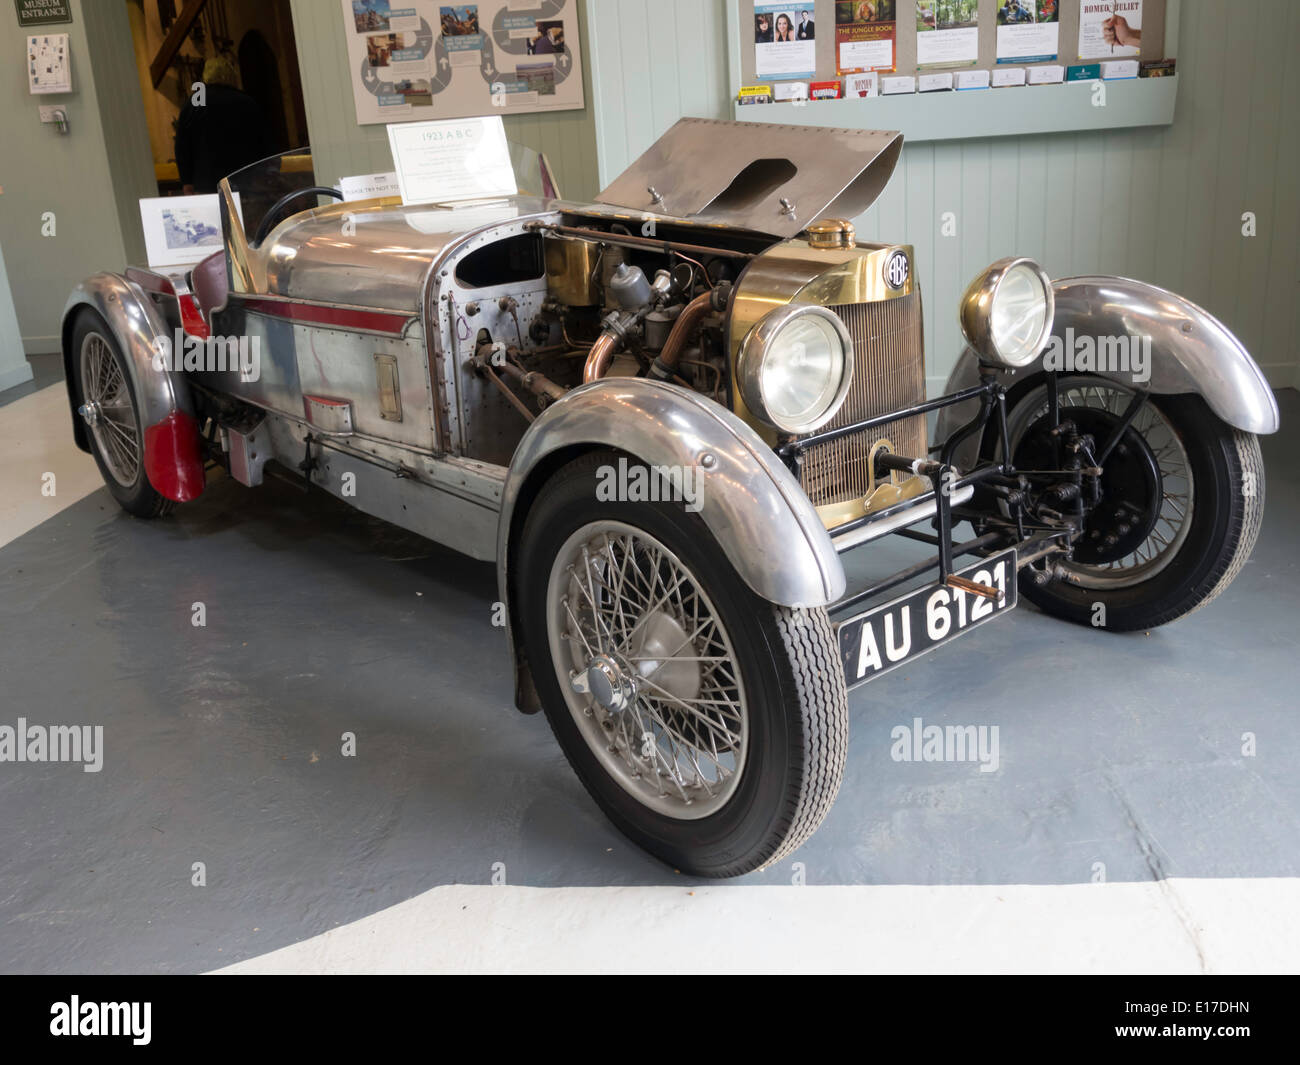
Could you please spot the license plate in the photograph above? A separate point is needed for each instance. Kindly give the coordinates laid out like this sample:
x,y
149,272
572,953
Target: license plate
x,y
884,638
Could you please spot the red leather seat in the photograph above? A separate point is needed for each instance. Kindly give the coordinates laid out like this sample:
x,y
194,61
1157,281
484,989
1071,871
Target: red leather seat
x,y
210,284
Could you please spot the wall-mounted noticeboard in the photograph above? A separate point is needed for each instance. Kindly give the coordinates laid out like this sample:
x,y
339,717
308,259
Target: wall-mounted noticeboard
x,y
824,39
418,60
49,65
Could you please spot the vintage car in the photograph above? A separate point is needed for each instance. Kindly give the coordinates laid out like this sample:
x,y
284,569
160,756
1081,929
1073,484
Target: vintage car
x,y
667,415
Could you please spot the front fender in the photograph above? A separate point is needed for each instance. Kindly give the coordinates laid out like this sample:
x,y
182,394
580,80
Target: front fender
x,y
1191,351
172,460
750,502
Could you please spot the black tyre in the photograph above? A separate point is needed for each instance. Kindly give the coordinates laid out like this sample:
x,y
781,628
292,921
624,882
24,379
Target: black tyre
x,y
709,725
107,402
1154,560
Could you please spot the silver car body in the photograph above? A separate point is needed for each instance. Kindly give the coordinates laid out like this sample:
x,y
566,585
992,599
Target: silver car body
x,y
363,324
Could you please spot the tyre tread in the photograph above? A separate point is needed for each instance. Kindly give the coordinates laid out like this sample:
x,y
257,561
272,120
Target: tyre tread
x,y
823,704
1244,459
1245,525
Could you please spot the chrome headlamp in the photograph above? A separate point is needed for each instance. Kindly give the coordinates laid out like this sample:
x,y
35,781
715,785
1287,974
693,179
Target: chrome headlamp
x,y
795,367
1006,313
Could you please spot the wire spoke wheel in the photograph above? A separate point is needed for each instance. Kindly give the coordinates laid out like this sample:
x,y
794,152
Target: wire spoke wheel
x,y
108,410
1173,520
648,669
709,724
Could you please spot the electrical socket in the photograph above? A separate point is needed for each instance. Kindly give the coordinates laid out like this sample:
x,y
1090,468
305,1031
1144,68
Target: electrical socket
x,y
47,112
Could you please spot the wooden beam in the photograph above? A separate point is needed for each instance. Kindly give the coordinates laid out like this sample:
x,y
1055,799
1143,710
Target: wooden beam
x,y
174,39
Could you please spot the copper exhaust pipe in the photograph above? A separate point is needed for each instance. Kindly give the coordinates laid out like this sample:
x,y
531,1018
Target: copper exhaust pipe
x,y
686,324
599,357
602,352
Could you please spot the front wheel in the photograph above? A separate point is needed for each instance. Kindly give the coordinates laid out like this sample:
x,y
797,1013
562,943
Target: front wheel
x,y
709,725
1181,506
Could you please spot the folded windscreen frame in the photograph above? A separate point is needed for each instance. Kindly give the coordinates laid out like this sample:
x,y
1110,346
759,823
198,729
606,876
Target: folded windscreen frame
x,y
769,179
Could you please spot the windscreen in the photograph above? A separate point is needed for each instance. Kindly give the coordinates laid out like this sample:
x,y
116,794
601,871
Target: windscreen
x,y
259,185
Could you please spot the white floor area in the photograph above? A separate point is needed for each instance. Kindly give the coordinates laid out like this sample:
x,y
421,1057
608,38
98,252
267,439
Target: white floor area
x,y
36,439
1174,926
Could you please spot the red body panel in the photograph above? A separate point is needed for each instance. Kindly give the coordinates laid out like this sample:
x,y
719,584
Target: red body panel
x,y
171,457
393,322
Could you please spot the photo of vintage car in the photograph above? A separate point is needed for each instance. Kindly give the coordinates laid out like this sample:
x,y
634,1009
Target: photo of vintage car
x,y
667,415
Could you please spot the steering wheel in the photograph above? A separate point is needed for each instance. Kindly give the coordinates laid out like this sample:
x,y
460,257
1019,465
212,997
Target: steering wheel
x,y
269,218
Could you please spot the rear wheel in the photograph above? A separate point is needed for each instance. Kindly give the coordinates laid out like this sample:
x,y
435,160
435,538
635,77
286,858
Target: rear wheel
x,y
108,404
709,725
1182,503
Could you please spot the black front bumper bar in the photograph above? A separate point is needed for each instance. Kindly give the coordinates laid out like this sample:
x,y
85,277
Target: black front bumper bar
x,y
944,483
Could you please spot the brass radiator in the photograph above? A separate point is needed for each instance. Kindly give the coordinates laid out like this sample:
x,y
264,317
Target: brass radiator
x,y
888,374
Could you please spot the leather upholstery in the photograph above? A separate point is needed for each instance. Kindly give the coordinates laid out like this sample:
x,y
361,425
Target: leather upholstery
x,y
210,284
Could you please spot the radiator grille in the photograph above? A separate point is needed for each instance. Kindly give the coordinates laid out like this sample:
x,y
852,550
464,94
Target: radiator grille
x,y
888,374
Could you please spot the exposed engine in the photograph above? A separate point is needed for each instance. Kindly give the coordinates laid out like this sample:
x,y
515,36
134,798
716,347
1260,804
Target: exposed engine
x,y
619,305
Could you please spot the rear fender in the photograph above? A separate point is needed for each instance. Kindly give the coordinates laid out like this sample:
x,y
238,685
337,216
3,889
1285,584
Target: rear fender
x,y
172,456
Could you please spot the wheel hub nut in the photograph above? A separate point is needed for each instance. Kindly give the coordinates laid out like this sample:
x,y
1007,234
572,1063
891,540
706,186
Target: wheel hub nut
x,y
606,684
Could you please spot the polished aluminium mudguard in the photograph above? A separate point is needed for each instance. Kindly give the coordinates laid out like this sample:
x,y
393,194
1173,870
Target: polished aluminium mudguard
x,y
750,502
1191,351
163,395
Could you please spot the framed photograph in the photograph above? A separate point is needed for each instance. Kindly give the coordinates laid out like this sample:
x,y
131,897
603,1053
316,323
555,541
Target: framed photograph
x,y
182,230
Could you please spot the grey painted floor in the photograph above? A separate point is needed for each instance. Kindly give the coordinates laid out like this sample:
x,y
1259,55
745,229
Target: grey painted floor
x,y
222,743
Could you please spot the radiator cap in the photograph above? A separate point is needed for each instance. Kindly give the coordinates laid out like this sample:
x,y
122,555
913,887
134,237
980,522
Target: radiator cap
x,y
831,233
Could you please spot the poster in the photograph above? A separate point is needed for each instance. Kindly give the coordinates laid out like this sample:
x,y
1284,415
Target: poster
x,y
1110,29
785,41
947,33
1028,30
864,36
414,60
48,69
